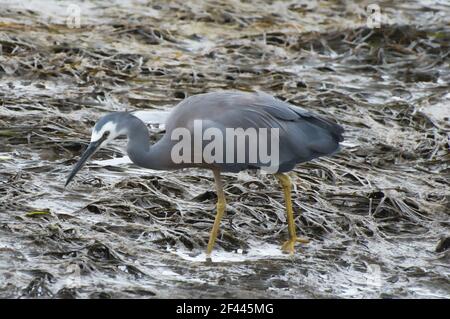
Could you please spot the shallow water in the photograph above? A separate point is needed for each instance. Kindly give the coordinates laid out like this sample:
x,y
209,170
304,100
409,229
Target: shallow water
x,y
374,212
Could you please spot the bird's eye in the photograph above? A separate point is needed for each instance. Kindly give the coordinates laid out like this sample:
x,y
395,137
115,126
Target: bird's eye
x,y
105,135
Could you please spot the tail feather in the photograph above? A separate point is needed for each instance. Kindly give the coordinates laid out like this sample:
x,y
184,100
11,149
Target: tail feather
x,y
335,130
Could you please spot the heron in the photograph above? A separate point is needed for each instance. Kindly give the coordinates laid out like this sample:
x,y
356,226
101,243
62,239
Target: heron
x,y
302,136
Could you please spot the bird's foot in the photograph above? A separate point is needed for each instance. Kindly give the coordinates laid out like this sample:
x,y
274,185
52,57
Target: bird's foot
x,y
288,246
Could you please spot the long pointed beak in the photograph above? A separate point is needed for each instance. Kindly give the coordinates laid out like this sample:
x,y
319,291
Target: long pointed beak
x,y
92,148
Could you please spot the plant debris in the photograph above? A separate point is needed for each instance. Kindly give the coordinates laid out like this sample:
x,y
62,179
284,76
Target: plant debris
x,y
374,212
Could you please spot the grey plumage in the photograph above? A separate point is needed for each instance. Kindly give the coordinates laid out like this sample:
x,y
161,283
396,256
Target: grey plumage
x,y
301,136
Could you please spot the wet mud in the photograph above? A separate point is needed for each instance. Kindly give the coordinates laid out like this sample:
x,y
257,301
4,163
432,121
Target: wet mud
x,y
377,213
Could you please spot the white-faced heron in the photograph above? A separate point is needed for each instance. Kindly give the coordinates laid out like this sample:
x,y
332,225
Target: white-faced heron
x,y
294,134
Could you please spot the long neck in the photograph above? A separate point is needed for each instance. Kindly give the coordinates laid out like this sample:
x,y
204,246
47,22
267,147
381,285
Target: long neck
x,y
139,149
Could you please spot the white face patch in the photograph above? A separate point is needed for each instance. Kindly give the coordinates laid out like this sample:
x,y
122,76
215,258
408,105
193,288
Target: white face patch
x,y
110,127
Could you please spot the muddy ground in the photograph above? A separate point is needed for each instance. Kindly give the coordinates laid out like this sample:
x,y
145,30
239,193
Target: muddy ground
x,y
375,212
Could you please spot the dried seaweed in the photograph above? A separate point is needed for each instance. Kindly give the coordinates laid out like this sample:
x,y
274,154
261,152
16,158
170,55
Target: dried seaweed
x,y
375,212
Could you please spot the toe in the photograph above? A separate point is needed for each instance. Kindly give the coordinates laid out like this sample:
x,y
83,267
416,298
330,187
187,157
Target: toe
x,y
288,247
302,240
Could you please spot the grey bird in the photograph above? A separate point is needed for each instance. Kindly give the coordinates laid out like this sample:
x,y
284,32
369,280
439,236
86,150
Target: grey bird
x,y
301,136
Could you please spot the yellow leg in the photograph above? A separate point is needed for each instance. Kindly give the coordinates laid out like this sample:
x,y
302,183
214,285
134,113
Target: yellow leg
x,y
288,246
221,204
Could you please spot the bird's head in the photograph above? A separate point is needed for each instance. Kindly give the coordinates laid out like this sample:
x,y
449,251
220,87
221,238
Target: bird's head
x,y
105,130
